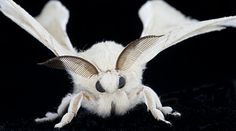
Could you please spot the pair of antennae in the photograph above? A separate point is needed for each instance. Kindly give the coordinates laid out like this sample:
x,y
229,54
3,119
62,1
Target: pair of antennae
x,y
84,68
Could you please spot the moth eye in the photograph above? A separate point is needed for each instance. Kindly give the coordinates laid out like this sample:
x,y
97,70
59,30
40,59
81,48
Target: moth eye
x,y
122,82
99,87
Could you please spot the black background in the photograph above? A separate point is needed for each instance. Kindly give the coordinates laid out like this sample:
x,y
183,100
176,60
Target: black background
x,y
30,90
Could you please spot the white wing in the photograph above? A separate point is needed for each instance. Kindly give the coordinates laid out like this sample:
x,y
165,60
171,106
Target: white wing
x,y
54,18
27,22
159,18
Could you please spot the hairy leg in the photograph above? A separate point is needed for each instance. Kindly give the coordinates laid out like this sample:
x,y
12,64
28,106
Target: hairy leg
x,y
154,105
74,106
50,116
167,110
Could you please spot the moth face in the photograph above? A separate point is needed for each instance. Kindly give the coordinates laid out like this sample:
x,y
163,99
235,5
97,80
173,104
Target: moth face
x,y
108,79
110,82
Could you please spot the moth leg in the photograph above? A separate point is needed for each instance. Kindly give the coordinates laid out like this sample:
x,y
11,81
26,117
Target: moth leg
x,y
154,105
167,110
50,116
74,106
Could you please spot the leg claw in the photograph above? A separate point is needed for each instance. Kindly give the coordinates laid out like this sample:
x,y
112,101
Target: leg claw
x,y
176,114
59,125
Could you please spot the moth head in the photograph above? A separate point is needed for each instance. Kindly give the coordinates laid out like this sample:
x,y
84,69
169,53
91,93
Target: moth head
x,y
110,81
125,74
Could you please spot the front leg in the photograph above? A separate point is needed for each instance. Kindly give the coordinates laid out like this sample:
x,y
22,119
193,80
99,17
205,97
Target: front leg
x,y
74,106
154,105
50,116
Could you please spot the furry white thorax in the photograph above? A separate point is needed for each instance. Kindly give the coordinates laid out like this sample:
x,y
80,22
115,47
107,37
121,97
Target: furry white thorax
x,y
104,56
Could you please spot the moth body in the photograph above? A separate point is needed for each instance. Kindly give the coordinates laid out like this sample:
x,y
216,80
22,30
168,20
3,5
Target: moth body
x,y
113,99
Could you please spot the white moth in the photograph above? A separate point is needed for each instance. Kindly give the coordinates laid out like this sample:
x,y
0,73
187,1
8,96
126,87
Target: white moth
x,y
108,76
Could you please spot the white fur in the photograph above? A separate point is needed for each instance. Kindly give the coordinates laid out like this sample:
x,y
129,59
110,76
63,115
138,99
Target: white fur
x,y
52,33
101,103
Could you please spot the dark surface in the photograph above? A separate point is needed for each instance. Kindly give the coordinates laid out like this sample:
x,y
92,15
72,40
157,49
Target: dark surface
x,y
177,74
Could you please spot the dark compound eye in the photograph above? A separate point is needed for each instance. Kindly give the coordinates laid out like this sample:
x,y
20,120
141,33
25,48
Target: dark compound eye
x,y
99,87
122,82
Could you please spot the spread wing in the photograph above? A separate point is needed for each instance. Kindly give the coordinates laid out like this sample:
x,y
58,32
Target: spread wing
x,y
159,18
53,17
